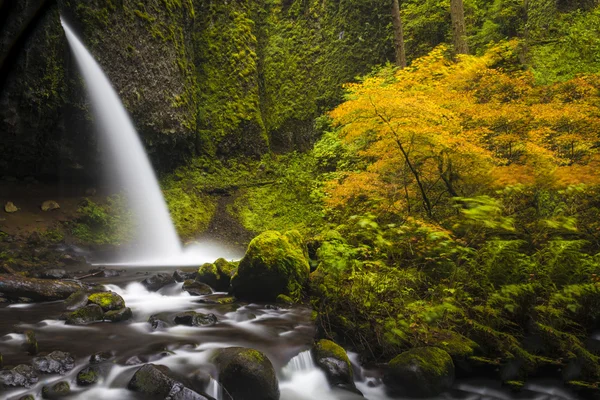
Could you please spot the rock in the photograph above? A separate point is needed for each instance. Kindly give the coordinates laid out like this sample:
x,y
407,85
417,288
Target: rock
x,y
109,301
15,286
57,362
31,344
157,380
216,275
27,397
192,318
274,264
54,274
10,207
155,282
104,273
86,315
181,276
88,376
135,360
159,321
77,300
56,391
420,372
20,376
196,288
333,360
50,205
100,357
246,374
121,315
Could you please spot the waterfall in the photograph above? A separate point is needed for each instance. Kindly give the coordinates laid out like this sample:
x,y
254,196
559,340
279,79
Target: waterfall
x,y
157,238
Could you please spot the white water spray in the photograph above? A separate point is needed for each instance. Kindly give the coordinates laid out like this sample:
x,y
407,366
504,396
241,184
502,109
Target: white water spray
x,y
157,238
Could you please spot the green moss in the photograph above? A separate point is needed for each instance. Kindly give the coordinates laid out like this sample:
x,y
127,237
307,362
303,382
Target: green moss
x,y
60,389
433,361
191,212
109,301
253,356
326,348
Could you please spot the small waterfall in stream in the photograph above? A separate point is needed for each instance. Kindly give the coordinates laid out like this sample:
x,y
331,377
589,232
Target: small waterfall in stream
x,y
157,238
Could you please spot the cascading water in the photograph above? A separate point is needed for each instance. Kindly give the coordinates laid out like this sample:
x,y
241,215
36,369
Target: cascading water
x,y
157,238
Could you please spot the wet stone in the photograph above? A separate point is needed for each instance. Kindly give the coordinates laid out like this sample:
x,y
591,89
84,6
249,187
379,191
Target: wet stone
x,y
109,301
57,362
159,321
88,376
54,274
56,391
192,318
20,376
76,300
181,276
100,357
196,288
31,344
123,314
86,315
157,281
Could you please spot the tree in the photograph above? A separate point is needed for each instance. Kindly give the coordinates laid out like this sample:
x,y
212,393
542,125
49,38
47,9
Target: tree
x,y
398,35
459,31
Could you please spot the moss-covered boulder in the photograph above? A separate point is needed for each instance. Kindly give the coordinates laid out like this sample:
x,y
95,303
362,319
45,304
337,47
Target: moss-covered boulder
x,y
209,275
31,344
420,372
274,264
333,360
56,391
88,376
121,315
76,300
196,288
109,301
246,374
85,315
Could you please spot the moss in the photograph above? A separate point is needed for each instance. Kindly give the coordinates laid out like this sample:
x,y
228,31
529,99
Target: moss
x,y
60,389
326,348
109,301
85,315
272,265
123,314
87,376
191,212
283,299
455,344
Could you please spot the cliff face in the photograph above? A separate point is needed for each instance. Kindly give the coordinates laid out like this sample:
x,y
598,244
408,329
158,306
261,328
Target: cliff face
x,y
197,76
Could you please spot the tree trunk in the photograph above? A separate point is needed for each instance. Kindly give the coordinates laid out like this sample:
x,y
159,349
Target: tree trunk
x,y
398,35
459,31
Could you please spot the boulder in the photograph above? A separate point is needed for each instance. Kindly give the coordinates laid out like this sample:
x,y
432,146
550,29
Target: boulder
x,y
16,286
159,321
30,345
157,281
27,397
246,374
86,315
209,275
109,301
20,376
57,362
88,376
192,318
50,205
121,315
196,288
56,391
420,372
10,207
100,357
181,276
333,360
54,274
76,300
274,264
157,380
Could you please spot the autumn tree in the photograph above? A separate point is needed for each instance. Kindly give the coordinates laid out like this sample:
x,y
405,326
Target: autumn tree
x,y
459,30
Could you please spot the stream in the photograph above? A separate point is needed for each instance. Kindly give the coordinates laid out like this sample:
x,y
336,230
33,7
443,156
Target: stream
x,y
283,334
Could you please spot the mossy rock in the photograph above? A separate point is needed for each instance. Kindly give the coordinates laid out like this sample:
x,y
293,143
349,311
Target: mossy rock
x,y
109,301
31,344
57,362
121,315
196,288
88,376
333,360
152,380
56,391
246,374
192,318
27,397
209,275
274,264
420,372
86,315
76,300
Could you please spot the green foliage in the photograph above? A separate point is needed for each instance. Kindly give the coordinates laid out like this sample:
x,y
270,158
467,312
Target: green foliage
x,y
191,212
109,223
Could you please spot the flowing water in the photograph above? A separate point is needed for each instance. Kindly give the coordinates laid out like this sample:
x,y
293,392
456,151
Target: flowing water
x,y
283,334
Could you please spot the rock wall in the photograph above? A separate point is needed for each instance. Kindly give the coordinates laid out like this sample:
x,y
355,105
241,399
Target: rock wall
x,y
198,76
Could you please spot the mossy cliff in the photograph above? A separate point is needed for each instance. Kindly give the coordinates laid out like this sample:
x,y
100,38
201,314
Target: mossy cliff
x,y
197,76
